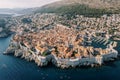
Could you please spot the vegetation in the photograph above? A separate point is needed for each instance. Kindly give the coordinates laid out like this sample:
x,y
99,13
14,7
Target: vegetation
x,y
26,20
78,9
111,31
2,23
46,53
26,30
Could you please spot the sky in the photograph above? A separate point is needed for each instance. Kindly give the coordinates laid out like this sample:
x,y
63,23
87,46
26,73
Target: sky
x,y
24,3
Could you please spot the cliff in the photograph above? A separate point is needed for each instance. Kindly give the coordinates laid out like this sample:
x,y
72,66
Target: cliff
x,y
19,50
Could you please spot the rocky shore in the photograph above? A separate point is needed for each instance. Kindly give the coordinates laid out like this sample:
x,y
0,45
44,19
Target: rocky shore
x,y
18,50
46,38
5,34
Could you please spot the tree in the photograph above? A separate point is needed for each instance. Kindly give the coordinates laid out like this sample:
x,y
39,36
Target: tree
x,y
2,23
26,20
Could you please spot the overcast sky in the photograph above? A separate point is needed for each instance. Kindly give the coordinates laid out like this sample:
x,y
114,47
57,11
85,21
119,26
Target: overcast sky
x,y
23,3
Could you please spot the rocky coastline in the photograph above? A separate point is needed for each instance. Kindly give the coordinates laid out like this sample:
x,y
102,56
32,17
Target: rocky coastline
x,y
47,39
5,34
19,50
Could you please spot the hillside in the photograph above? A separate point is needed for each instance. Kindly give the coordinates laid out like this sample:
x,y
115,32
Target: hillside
x,y
82,7
92,3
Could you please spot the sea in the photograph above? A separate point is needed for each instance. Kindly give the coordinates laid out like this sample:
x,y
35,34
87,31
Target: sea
x,y
12,68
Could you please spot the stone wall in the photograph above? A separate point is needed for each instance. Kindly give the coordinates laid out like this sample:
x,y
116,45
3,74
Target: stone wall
x,y
29,55
110,56
65,63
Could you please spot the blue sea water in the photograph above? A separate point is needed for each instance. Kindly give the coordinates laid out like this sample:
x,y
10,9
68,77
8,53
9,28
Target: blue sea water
x,y
12,68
